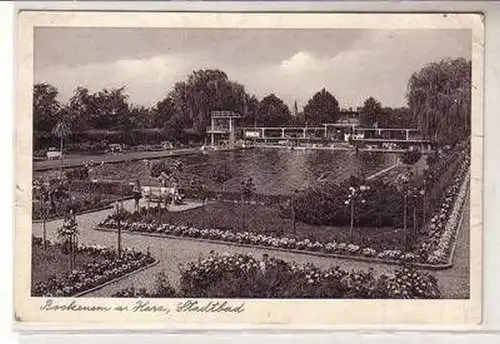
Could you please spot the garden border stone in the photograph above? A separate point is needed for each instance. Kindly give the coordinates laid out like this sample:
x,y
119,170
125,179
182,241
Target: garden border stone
x,y
88,291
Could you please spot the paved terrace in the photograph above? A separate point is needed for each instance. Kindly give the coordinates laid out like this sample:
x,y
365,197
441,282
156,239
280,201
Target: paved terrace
x,y
78,160
454,282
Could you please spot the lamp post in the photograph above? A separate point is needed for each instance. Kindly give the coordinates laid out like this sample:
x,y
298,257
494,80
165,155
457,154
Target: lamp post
x,y
68,232
43,194
118,211
293,211
354,194
247,188
404,180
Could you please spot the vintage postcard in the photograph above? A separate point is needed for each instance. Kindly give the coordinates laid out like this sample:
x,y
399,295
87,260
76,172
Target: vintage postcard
x,y
245,170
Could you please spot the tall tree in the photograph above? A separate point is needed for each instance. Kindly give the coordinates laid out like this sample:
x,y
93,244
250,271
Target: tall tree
x,y
62,130
295,109
396,118
45,107
112,109
81,107
323,107
439,98
105,109
251,110
206,91
161,113
273,111
371,112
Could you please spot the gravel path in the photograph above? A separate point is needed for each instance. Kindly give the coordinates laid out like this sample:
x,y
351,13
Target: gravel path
x,y
454,282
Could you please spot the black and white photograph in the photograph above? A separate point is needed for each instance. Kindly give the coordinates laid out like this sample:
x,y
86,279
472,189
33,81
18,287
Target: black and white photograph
x,y
239,163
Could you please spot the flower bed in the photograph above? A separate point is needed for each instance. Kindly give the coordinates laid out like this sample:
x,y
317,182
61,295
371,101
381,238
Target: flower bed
x,y
439,236
323,204
243,276
429,243
90,275
432,247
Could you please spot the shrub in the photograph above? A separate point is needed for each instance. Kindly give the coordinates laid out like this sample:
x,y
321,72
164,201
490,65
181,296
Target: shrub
x,y
242,276
411,157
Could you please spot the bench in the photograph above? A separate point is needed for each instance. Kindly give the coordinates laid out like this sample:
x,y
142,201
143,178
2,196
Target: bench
x,y
160,194
51,155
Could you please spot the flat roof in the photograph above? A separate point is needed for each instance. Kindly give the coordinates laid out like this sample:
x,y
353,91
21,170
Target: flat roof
x,y
225,114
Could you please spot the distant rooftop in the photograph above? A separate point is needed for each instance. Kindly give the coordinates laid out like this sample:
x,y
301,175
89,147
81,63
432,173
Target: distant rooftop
x,y
225,114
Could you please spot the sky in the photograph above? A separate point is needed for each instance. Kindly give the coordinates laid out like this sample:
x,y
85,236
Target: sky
x,y
293,64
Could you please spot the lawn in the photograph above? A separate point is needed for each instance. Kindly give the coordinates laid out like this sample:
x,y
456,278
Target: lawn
x,y
53,262
267,219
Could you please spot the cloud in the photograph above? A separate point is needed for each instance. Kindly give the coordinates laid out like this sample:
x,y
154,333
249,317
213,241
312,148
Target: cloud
x,y
377,63
147,80
303,61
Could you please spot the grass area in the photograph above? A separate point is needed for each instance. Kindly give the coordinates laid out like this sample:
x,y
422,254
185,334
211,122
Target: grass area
x,y
267,219
53,262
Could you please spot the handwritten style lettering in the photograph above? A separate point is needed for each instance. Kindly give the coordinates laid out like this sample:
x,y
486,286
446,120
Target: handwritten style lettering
x,y
210,307
72,306
146,306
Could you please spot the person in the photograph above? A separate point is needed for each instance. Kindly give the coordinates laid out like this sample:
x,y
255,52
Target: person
x,y
137,194
264,262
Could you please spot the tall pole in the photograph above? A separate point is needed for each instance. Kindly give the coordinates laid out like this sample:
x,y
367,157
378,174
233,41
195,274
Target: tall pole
x,y
61,157
414,220
424,212
203,213
242,214
120,211
44,231
70,253
293,213
351,233
405,215
44,218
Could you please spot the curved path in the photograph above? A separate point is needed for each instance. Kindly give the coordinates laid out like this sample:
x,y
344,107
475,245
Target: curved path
x,y
454,282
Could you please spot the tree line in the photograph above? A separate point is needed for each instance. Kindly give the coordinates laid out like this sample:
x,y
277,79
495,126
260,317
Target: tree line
x,y
438,104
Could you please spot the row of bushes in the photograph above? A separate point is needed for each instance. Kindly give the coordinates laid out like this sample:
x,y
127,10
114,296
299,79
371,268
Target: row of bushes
x,y
79,203
444,216
383,204
243,276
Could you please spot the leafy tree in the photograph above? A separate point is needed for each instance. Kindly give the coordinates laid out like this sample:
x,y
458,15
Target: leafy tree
x,y
112,109
138,118
105,109
250,110
396,118
323,107
175,128
61,131
203,92
161,113
371,112
439,98
273,111
45,107
81,107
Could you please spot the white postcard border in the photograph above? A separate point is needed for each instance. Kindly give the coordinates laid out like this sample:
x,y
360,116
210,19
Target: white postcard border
x,y
305,314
